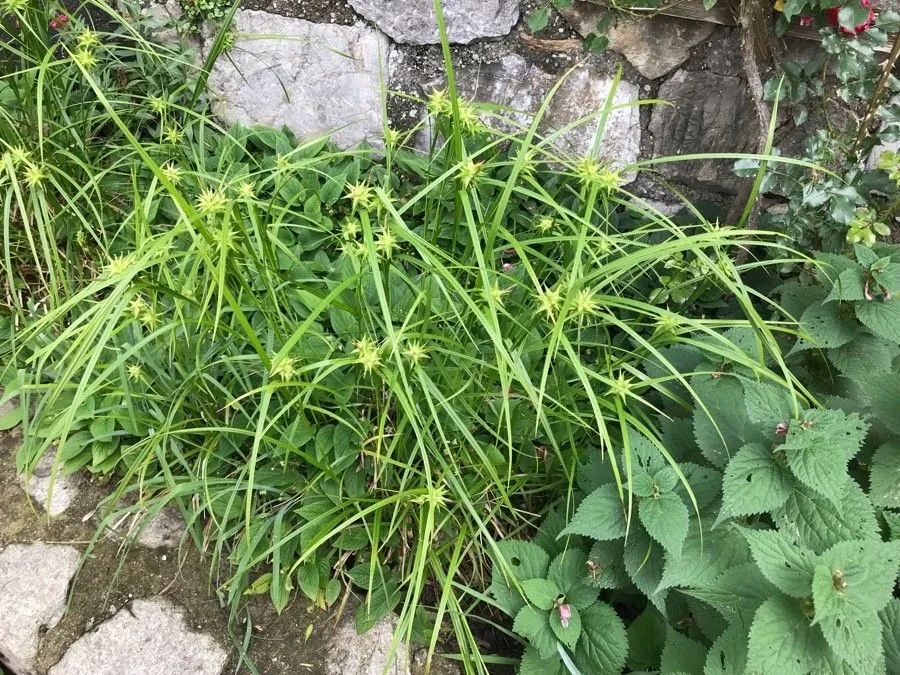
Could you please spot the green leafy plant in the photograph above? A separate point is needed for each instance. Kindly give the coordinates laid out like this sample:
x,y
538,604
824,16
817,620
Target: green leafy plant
x,y
750,572
850,89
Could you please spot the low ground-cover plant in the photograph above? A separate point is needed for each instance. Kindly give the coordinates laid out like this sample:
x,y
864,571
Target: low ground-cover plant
x,y
383,372
791,561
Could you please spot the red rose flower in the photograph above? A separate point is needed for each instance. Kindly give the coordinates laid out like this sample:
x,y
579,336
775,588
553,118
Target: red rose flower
x,y
832,15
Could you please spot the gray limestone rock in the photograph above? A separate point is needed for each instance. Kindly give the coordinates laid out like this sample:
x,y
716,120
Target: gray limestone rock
x,y
148,638
164,530
369,654
654,45
54,490
313,78
709,114
657,45
414,22
521,88
34,580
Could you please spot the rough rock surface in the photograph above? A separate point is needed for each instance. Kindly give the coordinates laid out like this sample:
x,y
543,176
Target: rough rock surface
x,y
352,654
414,22
654,45
148,638
658,45
55,491
163,530
314,78
512,83
34,580
709,113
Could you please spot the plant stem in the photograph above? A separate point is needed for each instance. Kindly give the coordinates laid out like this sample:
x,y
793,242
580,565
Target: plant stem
x,y
877,95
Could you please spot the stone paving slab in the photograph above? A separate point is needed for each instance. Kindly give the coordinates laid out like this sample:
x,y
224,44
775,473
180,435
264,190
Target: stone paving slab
x,y
148,638
34,580
53,490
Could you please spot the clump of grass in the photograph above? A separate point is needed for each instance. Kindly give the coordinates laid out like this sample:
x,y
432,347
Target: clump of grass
x,y
346,372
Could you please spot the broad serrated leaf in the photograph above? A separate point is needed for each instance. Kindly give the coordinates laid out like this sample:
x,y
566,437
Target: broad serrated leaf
x,y
882,317
788,566
834,430
525,560
736,593
753,483
665,479
682,654
855,577
724,426
595,472
796,296
821,469
808,518
892,520
766,404
829,325
848,285
706,483
782,640
890,622
547,536
641,484
866,354
666,519
856,639
644,454
533,664
705,555
644,561
819,446
541,593
884,475
603,645
606,567
569,634
569,571
646,639
600,515
884,396
534,625
728,654
706,619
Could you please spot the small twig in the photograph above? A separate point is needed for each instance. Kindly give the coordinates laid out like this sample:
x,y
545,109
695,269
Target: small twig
x,y
886,70
545,45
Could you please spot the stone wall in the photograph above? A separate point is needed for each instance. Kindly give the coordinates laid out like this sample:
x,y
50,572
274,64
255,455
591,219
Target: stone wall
x,y
322,66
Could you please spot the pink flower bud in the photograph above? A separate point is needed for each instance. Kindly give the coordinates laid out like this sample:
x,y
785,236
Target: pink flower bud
x,y
507,267
781,429
565,615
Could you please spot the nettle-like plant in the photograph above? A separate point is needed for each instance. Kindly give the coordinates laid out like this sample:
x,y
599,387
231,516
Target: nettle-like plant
x,y
783,555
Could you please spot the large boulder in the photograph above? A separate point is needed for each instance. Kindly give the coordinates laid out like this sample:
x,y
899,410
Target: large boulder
x,y
708,114
414,21
314,78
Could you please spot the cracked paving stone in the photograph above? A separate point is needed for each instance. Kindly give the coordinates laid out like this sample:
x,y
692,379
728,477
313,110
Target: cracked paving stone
x,y
34,580
149,637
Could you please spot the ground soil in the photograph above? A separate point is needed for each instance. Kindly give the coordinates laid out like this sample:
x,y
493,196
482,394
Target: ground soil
x,y
112,575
